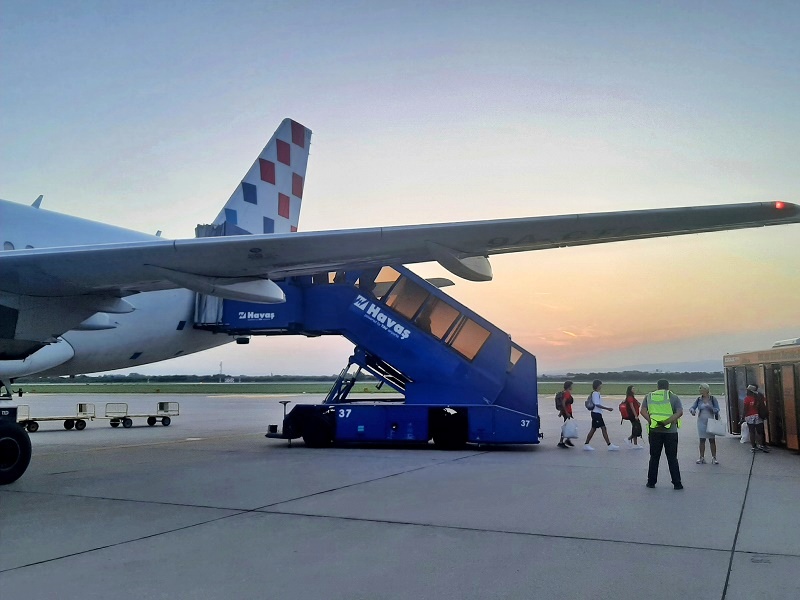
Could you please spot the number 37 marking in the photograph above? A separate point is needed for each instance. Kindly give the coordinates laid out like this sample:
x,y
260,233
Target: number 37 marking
x,y
525,423
344,412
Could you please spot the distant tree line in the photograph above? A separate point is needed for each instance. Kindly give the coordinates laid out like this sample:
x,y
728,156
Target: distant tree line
x,y
618,376
638,376
215,378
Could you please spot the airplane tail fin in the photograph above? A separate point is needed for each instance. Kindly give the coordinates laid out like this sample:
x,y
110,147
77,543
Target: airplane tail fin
x,y
269,196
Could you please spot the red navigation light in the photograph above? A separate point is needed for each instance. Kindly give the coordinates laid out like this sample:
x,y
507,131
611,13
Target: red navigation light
x,y
779,205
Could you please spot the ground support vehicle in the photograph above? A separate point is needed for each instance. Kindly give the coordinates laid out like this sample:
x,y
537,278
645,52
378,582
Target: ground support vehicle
x,y
84,412
117,414
776,372
460,378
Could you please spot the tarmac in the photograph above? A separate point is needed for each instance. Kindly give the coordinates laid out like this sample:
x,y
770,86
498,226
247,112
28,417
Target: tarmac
x,y
210,508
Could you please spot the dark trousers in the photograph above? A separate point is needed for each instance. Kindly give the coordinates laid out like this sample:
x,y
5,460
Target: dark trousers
x,y
669,442
756,433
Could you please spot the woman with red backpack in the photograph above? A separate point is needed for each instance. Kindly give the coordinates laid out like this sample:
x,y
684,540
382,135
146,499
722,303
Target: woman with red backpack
x,y
629,409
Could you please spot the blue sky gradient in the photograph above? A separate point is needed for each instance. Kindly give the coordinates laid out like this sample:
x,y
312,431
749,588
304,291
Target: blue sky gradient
x,y
147,114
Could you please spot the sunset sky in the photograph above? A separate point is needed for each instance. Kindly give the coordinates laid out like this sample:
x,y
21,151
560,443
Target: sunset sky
x,y
146,115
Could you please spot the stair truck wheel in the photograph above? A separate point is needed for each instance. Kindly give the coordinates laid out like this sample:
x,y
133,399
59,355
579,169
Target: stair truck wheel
x,y
165,421
127,422
69,424
80,424
115,422
317,433
32,426
151,421
15,452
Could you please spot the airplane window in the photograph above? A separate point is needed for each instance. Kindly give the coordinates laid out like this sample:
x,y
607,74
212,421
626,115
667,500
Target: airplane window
x,y
406,297
469,338
8,246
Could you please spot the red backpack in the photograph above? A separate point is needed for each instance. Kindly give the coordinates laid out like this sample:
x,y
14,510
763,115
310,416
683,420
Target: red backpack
x,y
625,410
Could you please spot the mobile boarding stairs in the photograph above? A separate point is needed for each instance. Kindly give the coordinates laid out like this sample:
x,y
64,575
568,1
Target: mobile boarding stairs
x,y
460,378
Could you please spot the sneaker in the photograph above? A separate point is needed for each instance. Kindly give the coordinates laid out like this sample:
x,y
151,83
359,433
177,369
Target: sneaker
x,y
613,447
763,449
650,485
561,445
714,461
637,447
588,447
678,486
569,443
700,461
753,449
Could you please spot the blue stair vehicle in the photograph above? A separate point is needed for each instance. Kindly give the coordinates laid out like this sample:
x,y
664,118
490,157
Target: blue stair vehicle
x,y
459,378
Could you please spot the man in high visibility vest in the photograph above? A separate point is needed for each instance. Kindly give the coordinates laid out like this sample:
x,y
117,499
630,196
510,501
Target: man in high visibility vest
x,y
662,410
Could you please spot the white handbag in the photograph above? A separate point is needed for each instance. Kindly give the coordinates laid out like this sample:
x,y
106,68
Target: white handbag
x,y
745,439
569,429
716,427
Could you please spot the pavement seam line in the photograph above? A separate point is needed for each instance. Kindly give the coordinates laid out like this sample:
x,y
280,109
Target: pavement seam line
x,y
349,485
239,510
238,513
738,527
121,543
498,531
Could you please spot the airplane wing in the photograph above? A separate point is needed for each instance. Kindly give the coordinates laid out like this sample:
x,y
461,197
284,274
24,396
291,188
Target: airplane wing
x,y
218,264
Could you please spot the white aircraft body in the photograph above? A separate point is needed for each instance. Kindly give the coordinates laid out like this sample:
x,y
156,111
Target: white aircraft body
x,y
78,296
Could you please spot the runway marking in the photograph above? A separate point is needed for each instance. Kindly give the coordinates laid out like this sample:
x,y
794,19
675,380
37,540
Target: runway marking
x,y
166,442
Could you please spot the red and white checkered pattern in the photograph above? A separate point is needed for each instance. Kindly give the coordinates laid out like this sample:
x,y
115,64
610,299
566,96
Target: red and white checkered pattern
x,y
278,175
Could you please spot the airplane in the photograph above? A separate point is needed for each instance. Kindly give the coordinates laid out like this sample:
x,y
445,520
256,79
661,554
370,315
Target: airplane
x,y
79,296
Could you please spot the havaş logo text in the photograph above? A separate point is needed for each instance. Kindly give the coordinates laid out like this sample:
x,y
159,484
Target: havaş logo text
x,y
374,313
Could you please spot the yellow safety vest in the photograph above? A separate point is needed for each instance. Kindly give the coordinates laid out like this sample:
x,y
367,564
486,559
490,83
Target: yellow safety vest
x,y
660,408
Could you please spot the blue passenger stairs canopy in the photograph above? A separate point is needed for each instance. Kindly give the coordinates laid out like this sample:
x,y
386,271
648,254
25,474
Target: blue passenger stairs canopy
x,y
461,378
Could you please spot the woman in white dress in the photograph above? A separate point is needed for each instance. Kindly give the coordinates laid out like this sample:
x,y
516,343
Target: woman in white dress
x,y
705,407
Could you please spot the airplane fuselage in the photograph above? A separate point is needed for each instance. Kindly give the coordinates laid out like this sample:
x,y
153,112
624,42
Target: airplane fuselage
x,y
159,328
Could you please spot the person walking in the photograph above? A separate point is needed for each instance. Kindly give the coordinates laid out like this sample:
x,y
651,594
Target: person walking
x,y
662,410
705,407
597,417
755,411
633,417
566,412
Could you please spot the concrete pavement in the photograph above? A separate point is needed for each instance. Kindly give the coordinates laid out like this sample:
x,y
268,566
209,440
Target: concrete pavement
x,y
209,508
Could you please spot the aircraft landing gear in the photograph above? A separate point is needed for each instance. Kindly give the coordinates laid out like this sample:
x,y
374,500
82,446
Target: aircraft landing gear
x,y
15,452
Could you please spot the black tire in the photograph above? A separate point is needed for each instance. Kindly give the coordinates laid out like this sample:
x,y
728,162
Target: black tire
x,y
32,426
127,423
317,433
15,452
69,424
80,424
165,421
114,422
151,421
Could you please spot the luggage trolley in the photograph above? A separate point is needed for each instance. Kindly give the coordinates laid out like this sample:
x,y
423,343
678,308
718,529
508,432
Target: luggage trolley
x,y
117,413
84,412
